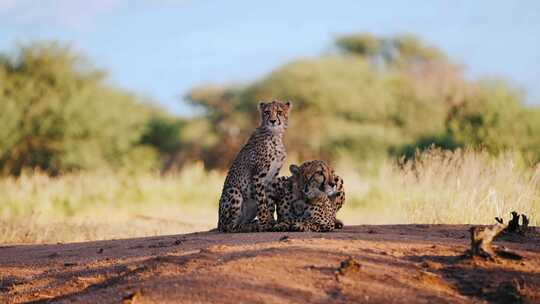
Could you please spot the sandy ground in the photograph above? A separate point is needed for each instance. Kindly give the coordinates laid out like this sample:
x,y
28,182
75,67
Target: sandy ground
x,y
360,264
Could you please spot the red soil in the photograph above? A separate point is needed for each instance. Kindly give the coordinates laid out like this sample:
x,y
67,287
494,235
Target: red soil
x,y
359,264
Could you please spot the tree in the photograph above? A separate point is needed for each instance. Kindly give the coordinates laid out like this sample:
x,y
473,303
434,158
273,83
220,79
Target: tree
x,y
58,113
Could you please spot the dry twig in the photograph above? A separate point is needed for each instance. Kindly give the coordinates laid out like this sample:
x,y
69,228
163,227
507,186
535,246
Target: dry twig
x,y
481,239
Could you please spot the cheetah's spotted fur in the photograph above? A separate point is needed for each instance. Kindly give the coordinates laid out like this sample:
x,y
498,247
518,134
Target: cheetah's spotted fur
x,y
309,199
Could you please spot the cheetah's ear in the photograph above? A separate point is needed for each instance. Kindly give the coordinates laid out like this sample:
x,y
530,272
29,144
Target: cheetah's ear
x,y
295,170
262,105
288,104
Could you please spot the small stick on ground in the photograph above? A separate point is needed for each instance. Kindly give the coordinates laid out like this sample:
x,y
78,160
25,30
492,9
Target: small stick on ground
x,y
481,239
513,225
524,228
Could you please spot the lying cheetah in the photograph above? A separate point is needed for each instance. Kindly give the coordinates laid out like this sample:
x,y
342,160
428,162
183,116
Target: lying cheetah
x,y
309,199
244,192
319,215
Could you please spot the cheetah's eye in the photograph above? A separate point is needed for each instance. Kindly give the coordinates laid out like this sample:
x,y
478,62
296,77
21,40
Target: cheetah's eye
x,y
279,112
266,112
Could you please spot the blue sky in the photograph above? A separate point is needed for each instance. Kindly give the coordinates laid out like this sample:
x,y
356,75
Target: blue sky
x,y
162,48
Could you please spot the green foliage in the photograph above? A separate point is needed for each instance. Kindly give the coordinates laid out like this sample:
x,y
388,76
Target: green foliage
x,y
163,133
363,44
343,106
340,101
216,136
379,97
58,114
487,117
401,50
492,116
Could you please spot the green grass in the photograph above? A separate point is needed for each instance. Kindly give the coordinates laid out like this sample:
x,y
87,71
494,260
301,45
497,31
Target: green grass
x,y
463,187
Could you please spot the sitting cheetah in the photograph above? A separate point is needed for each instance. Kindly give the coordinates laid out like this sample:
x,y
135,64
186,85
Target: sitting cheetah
x,y
309,199
258,163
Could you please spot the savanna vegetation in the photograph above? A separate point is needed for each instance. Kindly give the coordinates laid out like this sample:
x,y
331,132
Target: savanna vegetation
x,y
414,139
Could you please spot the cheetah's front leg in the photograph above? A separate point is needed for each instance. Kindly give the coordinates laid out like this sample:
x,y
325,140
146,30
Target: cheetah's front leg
x,y
266,219
338,199
283,226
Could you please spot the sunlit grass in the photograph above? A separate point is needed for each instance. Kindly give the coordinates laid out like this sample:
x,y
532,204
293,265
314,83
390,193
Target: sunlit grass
x,y
102,205
460,187
467,187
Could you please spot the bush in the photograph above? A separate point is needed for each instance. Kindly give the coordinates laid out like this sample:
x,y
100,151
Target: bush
x,y
58,114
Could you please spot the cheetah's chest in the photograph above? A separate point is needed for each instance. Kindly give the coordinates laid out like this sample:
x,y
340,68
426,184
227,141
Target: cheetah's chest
x,y
274,169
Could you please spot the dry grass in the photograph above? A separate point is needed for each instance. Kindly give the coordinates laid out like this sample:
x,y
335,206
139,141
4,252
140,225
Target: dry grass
x,y
88,206
467,187
461,187
439,187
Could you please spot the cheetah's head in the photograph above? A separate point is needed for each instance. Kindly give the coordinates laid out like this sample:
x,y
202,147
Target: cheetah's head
x,y
275,115
315,178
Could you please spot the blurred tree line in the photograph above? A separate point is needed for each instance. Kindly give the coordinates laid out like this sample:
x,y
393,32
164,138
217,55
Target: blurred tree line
x,y
371,99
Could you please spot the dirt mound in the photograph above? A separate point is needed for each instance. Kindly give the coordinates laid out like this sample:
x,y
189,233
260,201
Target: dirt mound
x,y
367,264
